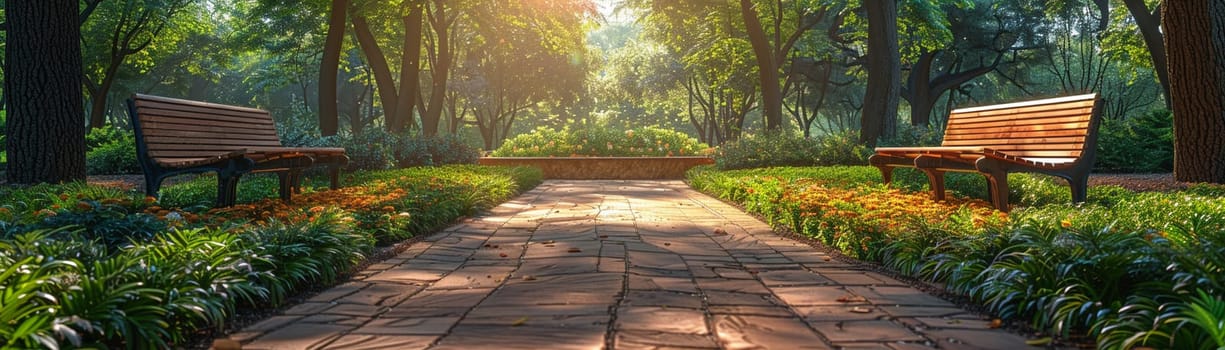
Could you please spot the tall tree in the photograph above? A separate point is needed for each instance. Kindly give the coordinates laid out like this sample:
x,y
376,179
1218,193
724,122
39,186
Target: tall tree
x,y
440,52
129,28
879,116
771,55
1195,49
46,141
410,69
329,69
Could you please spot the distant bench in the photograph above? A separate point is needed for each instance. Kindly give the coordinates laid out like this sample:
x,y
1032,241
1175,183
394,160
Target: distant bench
x,y
175,136
1055,136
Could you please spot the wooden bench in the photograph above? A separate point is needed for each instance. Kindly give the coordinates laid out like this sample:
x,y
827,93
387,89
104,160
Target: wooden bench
x,y
175,136
1056,136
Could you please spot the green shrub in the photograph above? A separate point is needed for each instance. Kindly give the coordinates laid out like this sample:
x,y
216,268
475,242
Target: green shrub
x,y
767,150
782,149
432,151
600,142
110,150
1143,144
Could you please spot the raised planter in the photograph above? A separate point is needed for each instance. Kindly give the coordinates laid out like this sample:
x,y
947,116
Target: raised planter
x,y
605,168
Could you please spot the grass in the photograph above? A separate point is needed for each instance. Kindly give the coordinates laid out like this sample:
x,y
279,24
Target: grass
x,y
99,267
1124,269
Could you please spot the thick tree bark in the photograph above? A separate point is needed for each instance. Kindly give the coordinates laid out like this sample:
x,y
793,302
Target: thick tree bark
x,y
879,114
1149,23
1195,48
46,138
767,71
410,71
329,69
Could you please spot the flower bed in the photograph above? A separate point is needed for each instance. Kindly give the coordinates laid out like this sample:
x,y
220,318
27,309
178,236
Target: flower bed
x,y
1124,270
90,266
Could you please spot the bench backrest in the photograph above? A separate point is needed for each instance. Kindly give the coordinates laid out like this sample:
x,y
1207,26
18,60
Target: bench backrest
x,y
172,130
1056,130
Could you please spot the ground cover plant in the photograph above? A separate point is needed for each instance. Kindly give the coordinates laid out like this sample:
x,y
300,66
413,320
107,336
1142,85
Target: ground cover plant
x,y
601,142
90,266
1122,270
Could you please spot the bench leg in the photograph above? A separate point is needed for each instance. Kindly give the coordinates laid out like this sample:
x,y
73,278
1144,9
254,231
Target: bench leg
x,y
935,180
334,176
153,184
1080,187
286,182
227,190
997,183
886,173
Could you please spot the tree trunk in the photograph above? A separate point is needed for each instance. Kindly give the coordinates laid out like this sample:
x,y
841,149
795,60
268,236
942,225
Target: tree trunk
x,y
378,67
410,71
1195,49
329,68
767,71
97,103
46,138
441,70
879,113
1149,23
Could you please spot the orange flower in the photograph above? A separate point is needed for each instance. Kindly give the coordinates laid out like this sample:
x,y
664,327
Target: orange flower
x,y
1065,224
150,199
83,205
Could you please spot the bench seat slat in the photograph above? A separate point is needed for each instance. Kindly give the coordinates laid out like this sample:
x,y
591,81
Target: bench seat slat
x,y
1080,132
163,126
244,112
1053,111
153,140
1064,121
211,135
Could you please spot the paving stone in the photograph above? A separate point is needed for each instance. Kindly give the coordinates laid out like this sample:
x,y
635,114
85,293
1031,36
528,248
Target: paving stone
x,y
661,261
756,332
308,308
408,326
860,278
897,296
474,277
792,278
662,340
525,338
751,310
672,284
380,294
374,342
715,297
662,298
815,295
874,330
557,266
446,298
856,312
338,292
299,336
726,285
975,339
670,320
920,311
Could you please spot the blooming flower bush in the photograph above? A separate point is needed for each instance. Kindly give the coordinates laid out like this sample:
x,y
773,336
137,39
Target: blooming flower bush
x,y
601,142
1123,270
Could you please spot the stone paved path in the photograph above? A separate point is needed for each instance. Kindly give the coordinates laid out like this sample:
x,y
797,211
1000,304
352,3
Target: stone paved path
x,y
624,265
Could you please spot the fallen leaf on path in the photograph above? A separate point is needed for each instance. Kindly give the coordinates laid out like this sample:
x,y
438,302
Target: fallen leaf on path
x,y
502,255
719,231
574,250
519,322
849,298
861,310
529,278
996,323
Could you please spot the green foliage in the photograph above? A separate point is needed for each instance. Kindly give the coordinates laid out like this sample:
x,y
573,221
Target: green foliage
x,y
1144,144
83,266
781,149
110,151
600,142
430,151
1127,269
